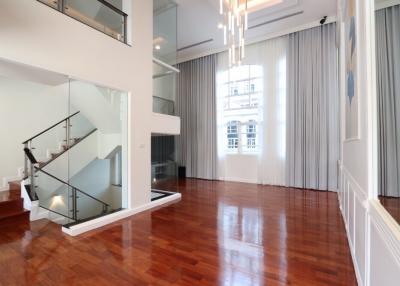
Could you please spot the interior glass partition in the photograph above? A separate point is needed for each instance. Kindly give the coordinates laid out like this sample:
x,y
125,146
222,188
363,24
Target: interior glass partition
x,y
164,52
163,162
103,171
164,88
165,30
76,166
164,169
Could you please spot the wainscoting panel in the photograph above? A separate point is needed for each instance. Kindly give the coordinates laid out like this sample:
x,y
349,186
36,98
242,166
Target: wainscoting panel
x,y
352,199
373,235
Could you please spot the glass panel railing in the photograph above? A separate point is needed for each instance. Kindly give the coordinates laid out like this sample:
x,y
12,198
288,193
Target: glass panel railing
x,y
163,106
57,138
80,127
98,165
53,195
164,87
98,14
48,143
66,200
51,3
51,144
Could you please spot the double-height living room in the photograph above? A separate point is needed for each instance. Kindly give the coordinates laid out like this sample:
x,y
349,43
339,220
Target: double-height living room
x,y
200,142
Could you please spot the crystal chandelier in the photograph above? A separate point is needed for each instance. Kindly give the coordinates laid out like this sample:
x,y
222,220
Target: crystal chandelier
x,y
235,16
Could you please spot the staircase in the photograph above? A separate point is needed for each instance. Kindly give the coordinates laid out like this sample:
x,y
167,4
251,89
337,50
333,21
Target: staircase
x,y
50,189
12,206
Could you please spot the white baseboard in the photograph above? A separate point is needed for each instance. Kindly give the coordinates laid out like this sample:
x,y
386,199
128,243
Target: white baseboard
x,y
105,220
238,180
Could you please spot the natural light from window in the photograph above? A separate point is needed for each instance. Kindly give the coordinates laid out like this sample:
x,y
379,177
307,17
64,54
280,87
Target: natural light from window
x,y
240,91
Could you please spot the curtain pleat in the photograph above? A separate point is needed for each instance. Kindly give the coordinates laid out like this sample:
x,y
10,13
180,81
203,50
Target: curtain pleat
x,y
313,131
196,106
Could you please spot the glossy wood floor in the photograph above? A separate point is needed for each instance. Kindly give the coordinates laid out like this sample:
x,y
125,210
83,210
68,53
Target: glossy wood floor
x,y
392,205
218,234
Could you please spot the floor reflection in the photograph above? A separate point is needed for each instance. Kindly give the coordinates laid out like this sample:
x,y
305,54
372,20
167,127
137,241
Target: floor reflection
x,y
218,234
241,249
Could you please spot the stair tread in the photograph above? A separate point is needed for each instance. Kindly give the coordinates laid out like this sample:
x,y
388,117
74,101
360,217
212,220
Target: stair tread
x,y
10,200
13,214
15,185
10,195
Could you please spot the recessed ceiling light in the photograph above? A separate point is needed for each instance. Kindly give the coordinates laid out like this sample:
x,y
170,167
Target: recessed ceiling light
x,y
220,26
157,47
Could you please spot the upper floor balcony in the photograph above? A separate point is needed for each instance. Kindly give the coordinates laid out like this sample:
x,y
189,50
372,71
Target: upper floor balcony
x,y
107,17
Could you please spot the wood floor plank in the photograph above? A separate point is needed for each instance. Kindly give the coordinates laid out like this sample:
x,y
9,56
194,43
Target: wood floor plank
x,y
220,233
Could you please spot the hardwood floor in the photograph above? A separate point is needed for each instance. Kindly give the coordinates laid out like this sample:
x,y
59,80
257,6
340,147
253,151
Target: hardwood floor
x,y
392,205
218,234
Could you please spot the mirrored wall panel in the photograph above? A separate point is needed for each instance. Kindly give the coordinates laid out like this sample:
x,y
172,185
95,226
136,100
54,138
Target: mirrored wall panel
x,y
387,33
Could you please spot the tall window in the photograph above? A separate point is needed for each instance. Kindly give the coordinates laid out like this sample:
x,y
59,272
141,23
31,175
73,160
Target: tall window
x,y
232,134
251,135
240,89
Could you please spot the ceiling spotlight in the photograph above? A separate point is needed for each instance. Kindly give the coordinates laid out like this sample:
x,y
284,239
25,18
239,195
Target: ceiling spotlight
x,y
157,47
323,20
220,26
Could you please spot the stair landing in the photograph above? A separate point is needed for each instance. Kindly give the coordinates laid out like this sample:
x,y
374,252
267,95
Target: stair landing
x,y
12,206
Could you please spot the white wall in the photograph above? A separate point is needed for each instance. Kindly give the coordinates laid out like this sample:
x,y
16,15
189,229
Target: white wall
x,y
33,34
165,124
92,102
373,235
27,108
239,168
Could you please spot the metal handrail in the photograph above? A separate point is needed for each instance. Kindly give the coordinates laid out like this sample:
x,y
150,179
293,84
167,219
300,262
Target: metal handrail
x,y
75,188
165,65
112,7
51,127
60,214
61,8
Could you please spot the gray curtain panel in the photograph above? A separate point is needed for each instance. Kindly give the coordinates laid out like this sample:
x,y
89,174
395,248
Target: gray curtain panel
x,y
196,106
388,99
313,115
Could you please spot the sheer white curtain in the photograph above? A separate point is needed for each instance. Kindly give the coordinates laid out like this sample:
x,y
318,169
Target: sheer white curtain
x,y
271,137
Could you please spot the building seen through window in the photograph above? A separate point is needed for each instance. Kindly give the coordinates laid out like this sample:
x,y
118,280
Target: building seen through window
x,y
240,88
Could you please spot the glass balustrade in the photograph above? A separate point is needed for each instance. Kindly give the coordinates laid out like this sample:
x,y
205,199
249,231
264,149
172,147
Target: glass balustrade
x,y
104,16
66,200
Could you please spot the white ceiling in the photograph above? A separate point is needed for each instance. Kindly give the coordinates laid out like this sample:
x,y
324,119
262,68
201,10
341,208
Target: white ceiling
x,y
198,21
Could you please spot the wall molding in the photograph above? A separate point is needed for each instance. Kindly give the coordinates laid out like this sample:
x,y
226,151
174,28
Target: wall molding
x,y
375,214
353,188
361,195
353,255
388,228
